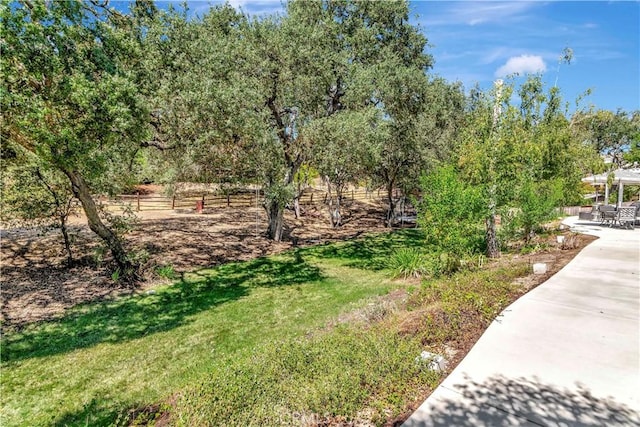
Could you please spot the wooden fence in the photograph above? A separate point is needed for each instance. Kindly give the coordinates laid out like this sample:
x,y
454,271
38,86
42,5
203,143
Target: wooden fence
x,y
141,202
247,199
575,210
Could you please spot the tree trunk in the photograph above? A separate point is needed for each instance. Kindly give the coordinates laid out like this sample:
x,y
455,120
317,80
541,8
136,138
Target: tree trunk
x,y
67,241
63,211
334,209
296,205
336,215
493,249
275,215
81,191
275,208
491,236
392,205
529,234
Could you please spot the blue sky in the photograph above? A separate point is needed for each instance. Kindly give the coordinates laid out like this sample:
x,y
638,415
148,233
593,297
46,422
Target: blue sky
x,y
479,41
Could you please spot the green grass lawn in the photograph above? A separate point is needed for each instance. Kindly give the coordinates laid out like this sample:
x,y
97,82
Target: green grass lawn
x,y
102,360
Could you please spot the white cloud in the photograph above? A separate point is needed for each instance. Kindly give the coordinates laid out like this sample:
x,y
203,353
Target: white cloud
x,y
497,53
522,64
480,12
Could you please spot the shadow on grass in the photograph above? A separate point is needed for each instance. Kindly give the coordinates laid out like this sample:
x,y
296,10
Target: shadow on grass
x,y
94,413
135,316
372,252
111,413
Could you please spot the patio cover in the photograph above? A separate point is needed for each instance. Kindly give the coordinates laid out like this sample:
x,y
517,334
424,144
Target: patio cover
x,y
620,178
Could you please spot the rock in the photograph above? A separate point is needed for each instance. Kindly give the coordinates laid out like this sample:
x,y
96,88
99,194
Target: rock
x,y
435,362
539,268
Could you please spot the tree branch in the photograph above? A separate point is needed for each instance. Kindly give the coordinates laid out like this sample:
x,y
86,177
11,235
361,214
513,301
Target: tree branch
x,y
158,144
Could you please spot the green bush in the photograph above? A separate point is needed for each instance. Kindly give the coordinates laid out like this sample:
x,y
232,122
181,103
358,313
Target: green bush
x,y
444,263
535,203
451,214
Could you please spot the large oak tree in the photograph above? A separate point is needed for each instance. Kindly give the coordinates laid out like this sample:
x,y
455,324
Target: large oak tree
x,y
69,101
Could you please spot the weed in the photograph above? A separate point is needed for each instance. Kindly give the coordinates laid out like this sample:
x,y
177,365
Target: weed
x,y
570,242
378,310
334,376
167,272
115,276
534,248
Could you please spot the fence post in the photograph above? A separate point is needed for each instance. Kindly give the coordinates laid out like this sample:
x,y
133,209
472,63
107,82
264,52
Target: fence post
x,y
138,199
228,200
311,198
173,202
203,201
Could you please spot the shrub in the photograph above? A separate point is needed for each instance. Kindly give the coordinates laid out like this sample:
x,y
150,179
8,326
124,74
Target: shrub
x,y
537,202
407,262
450,212
444,263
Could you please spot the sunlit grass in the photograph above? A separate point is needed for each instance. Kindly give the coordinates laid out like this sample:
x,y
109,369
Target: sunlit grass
x,y
102,359
292,339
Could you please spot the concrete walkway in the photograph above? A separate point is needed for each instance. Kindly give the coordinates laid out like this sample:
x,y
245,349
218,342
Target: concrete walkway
x,y
565,354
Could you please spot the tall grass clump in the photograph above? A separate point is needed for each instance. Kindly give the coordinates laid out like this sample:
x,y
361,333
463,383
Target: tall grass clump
x,y
407,262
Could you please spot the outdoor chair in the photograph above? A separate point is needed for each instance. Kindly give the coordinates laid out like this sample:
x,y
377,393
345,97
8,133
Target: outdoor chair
x,y
626,216
637,206
607,214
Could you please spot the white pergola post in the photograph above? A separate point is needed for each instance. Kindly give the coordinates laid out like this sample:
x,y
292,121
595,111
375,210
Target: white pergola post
x,y
620,193
620,177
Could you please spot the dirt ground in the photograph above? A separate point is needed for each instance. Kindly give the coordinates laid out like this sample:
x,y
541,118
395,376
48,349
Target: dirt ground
x,y
36,285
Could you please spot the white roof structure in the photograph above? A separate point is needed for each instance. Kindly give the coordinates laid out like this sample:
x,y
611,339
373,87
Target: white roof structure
x,y
620,176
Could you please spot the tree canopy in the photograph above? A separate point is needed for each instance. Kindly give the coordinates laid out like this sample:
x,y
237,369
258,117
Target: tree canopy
x,y
99,98
69,101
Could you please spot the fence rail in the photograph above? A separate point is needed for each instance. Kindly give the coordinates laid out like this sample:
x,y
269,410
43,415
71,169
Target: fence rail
x,y
140,202
575,210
